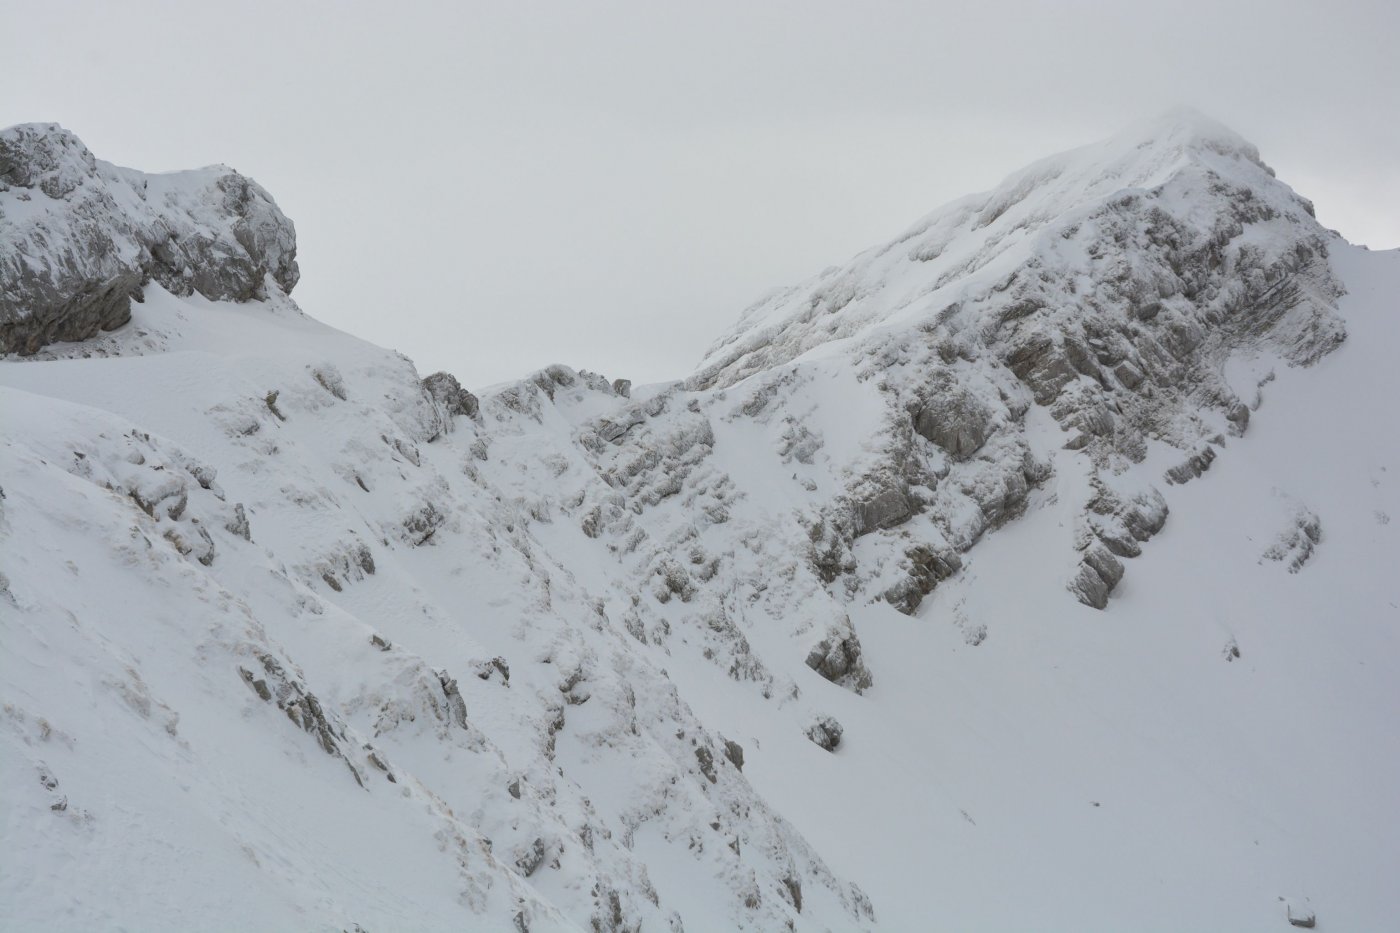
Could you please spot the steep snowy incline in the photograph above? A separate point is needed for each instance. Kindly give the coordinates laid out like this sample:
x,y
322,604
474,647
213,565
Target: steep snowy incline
x,y
335,669
295,639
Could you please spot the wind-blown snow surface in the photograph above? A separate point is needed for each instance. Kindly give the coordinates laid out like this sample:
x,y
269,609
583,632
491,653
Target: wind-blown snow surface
x,y
287,645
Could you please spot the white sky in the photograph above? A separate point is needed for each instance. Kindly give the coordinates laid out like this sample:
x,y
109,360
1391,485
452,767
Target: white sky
x,y
491,187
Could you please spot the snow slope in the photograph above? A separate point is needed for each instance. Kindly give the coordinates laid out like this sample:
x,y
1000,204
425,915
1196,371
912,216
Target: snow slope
x,y
810,641
1125,770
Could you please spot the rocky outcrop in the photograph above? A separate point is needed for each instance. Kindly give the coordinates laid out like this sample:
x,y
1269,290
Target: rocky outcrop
x,y
80,237
274,684
838,659
1099,572
735,753
955,418
1192,467
449,394
825,733
1115,526
883,508
1294,547
927,567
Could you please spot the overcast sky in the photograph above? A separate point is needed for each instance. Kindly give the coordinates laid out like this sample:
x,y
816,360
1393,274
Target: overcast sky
x,y
493,187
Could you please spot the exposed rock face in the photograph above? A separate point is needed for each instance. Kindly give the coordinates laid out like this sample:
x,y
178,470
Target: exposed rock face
x,y
927,568
1099,572
1192,467
837,658
1115,525
1106,285
79,238
448,392
954,418
885,509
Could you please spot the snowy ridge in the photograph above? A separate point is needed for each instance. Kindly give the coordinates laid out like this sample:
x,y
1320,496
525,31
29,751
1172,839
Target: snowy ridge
x,y
299,640
966,250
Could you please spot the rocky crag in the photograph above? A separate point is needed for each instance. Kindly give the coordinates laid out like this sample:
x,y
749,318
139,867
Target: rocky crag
x,y
80,238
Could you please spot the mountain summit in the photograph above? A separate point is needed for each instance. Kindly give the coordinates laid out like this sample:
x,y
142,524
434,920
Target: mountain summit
x,y
1185,184
1031,571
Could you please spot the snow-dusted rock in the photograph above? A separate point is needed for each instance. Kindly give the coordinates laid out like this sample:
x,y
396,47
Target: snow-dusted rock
x,y
80,237
448,392
825,733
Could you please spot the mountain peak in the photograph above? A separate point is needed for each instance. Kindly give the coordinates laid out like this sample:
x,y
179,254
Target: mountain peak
x,y
1182,165
1183,124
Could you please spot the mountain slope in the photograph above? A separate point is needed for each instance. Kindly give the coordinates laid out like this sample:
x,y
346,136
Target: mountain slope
x,y
297,640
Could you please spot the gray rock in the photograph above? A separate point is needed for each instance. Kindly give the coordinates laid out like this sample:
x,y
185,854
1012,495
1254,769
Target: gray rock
x,y
1295,546
826,733
301,706
1089,588
1192,467
1145,515
456,706
92,234
706,760
554,377
885,509
1108,567
838,658
76,313
448,393
1099,572
421,524
494,669
1129,375
735,753
793,886
955,419
1041,364
613,430
238,524
529,861
927,568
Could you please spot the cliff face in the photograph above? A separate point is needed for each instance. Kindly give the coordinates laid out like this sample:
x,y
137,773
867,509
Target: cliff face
x,y
79,238
916,593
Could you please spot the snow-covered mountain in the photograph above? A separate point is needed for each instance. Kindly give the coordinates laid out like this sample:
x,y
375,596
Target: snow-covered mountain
x,y
914,608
